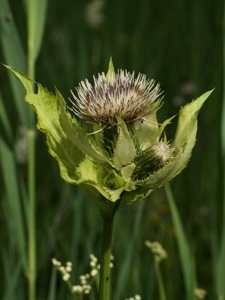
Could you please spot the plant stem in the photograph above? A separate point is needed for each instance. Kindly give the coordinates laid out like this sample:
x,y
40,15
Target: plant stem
x,y
104,289
31,192
31,218
162,292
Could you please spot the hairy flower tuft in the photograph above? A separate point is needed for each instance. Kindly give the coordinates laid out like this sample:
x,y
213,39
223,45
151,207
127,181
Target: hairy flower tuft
x,y
115,95
162,152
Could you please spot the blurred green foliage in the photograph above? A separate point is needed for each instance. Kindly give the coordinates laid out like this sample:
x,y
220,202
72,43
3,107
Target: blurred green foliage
x,y
179,44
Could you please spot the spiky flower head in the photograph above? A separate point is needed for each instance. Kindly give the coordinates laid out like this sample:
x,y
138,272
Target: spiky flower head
x,y
115,95
128,155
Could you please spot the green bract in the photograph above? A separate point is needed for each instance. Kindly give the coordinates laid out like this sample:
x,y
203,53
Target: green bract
x,y
124,162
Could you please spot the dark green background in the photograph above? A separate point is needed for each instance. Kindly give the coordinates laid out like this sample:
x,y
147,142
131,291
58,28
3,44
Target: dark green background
x,y
179,44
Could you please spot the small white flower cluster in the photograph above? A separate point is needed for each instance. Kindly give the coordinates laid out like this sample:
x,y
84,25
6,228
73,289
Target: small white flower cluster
x,y
85,280
94,265
84,287
157,250
136,297
200,293
64,270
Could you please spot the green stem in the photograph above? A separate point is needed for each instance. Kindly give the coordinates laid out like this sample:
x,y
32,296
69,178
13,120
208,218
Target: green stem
x,y
31,186
162,292
104,290
31,217
31,191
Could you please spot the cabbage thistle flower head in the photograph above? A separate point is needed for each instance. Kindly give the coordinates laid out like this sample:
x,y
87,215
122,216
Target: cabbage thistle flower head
x,y
109,141
115,95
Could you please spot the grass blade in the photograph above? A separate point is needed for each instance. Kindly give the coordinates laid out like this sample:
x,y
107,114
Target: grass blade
x,y
12,187
5,128
52,285
184,250
14,55
128,261
220,256
36,16
12,276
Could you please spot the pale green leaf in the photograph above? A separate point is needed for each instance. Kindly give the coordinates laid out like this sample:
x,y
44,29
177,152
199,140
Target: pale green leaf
x,y
127,171
187,122
124,151
163,126
126,174
185,136
141,192
145,131
102,177
60,146
111,71
183,143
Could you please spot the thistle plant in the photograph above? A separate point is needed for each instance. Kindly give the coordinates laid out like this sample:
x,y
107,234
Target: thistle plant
x,y
108,141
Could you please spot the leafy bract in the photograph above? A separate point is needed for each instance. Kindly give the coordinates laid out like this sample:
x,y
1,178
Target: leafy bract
x,y
187,122
145,131
102,177
105,163
111,71
124,151
60,147
77,134
68,143
183,144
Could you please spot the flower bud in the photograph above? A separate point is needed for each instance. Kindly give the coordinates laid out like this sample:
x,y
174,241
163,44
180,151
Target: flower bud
x,y
161,153
150,160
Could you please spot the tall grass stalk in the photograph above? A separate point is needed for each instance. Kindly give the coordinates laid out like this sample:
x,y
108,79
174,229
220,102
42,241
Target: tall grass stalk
x,y
14,55
31,216
220,255
183,246
162,291
129,249
36,15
